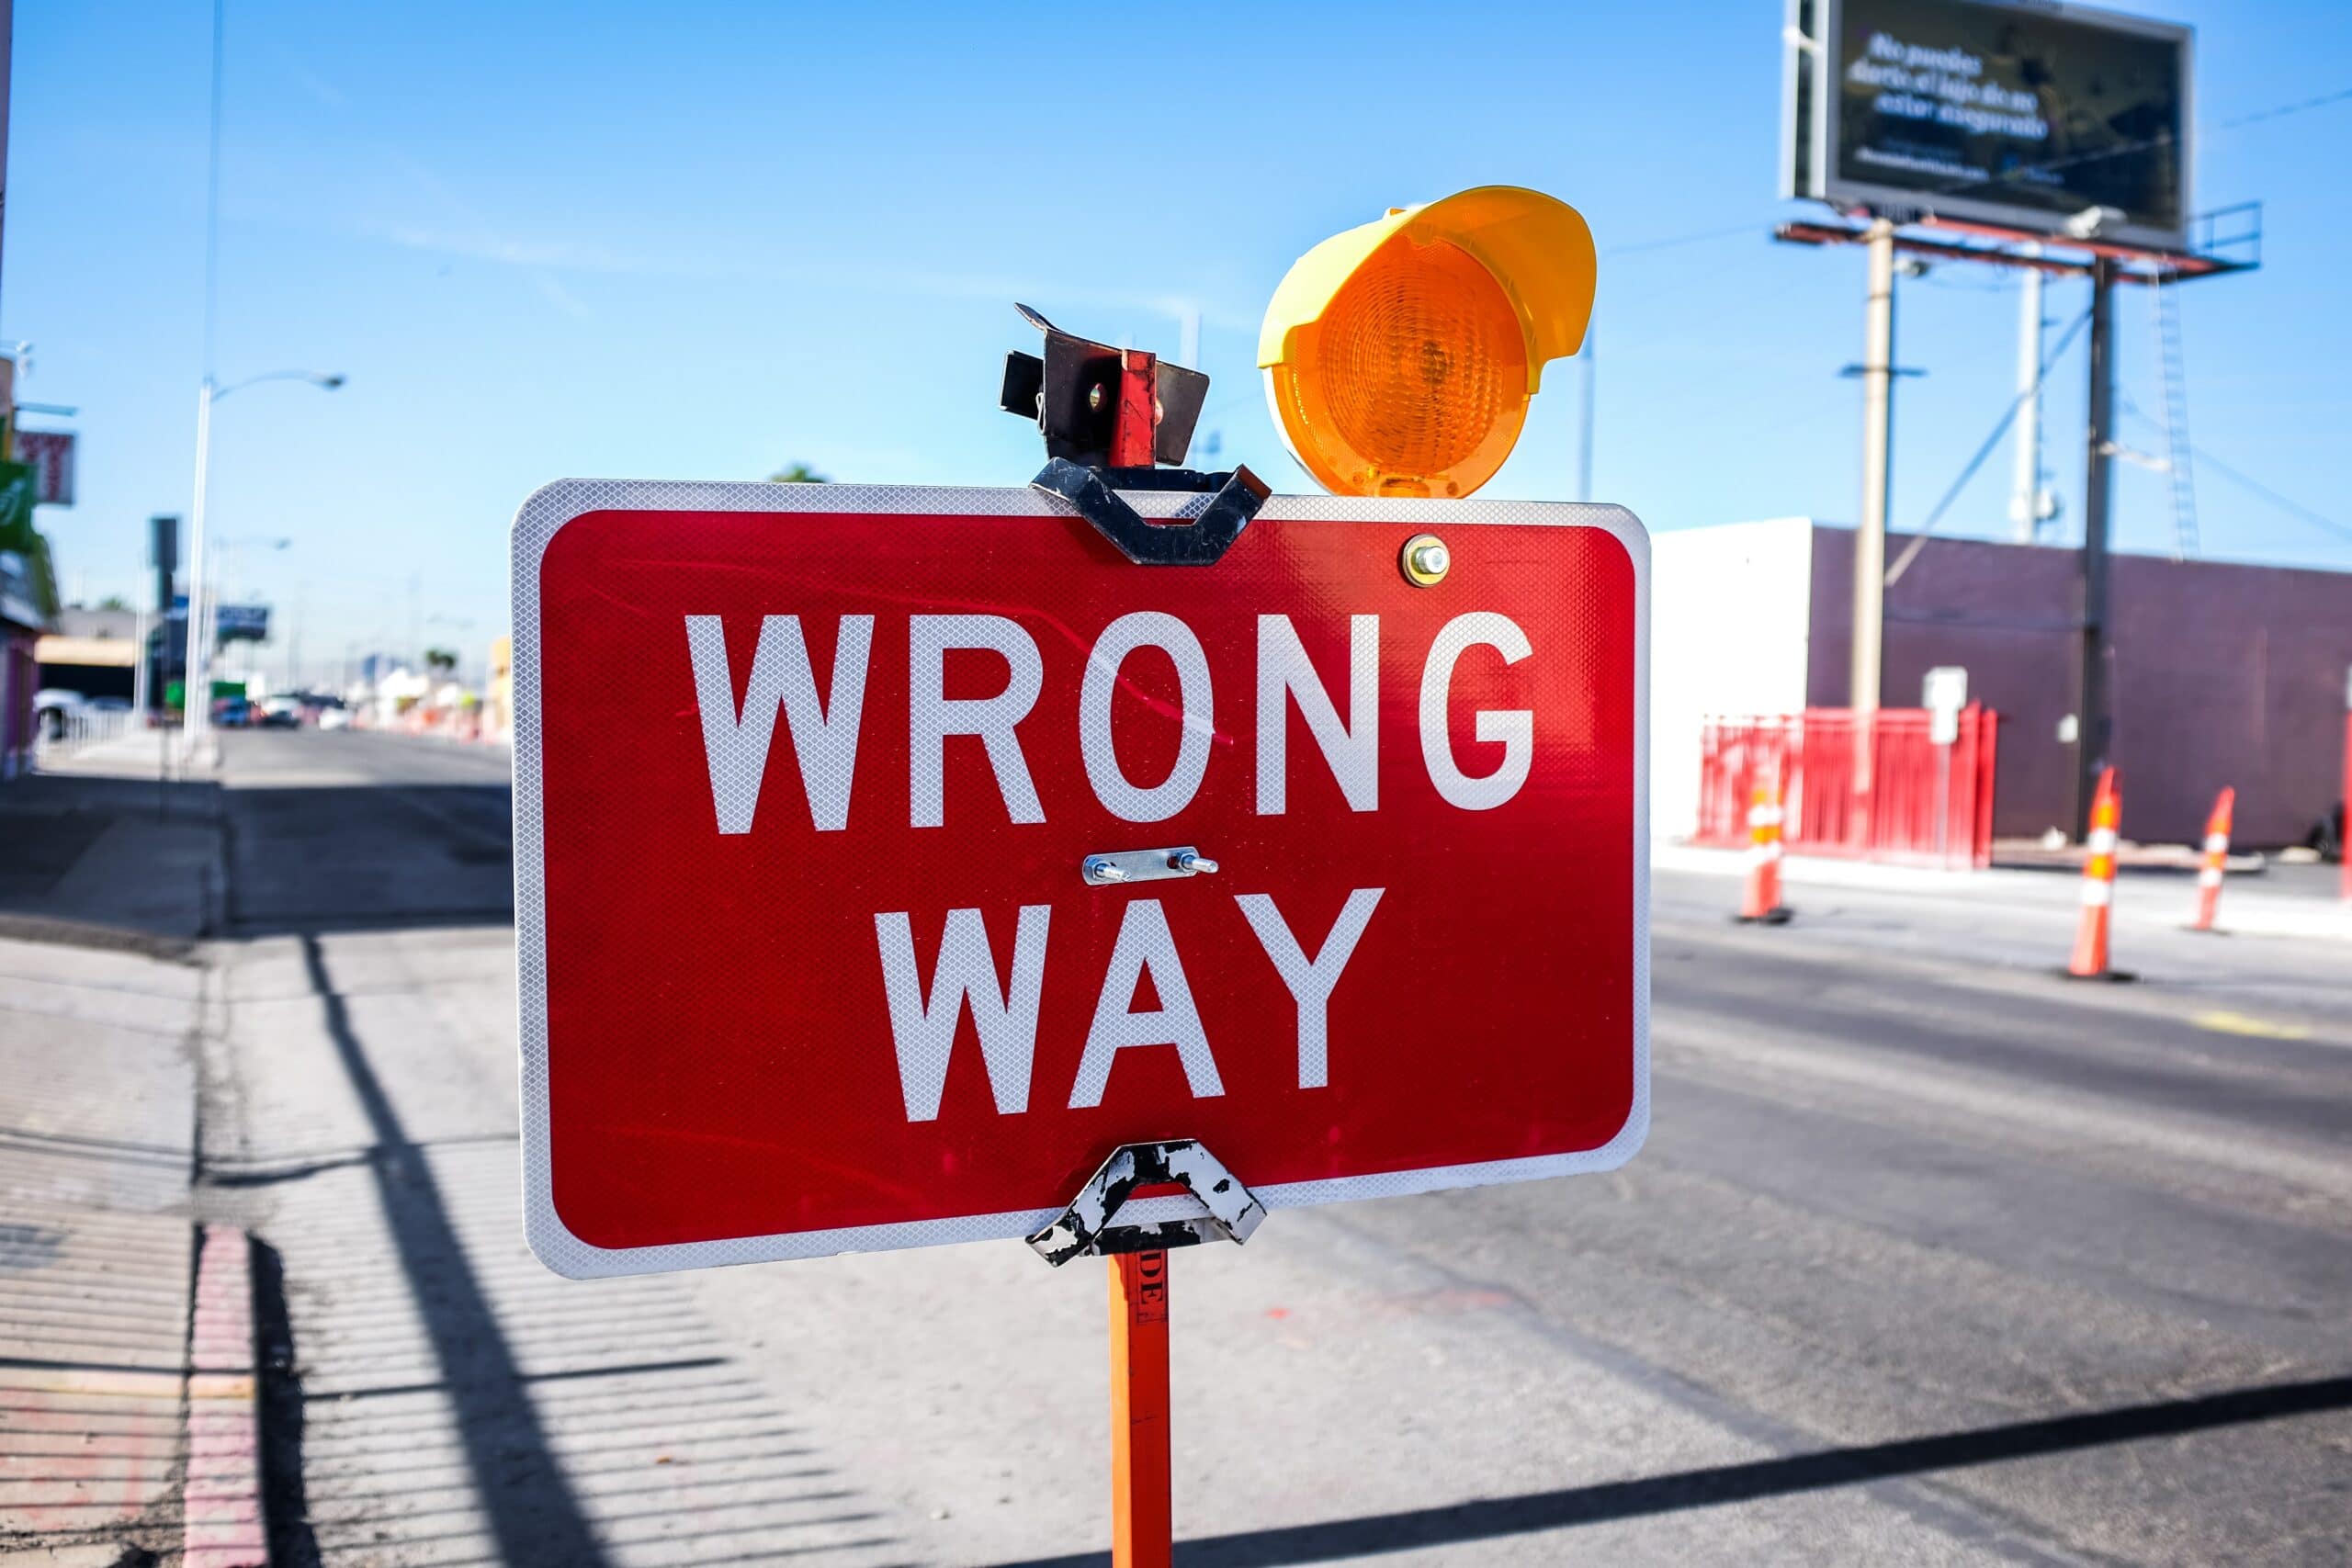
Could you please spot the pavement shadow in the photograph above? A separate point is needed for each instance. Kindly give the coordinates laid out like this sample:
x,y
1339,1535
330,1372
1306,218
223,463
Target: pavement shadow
x,y
292,1542
1715,1485
367,857
104,862
530,1506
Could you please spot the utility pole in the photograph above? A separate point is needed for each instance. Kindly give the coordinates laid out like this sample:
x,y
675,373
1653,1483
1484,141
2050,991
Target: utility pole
x,y
7,68
195,701
1584,434
139,672
196,685
2025,484
2094,728
1869,539
294,639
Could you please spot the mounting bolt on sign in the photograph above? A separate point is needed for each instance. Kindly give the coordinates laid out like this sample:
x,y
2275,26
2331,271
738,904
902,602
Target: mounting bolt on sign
x,y
1426,560
1354,785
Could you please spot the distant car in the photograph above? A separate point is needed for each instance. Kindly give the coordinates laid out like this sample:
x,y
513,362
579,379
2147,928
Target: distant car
x,y
281,713
334,718
55,709
236,712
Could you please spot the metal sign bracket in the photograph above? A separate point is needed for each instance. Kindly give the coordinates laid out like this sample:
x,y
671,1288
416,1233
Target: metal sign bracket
x,y
1084,1229
1201,541
1110,416
1142,1506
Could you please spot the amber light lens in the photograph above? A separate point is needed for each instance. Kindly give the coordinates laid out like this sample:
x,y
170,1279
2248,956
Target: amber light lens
x,y
1415,380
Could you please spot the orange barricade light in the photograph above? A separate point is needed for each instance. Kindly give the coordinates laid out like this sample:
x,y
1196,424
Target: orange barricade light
x,y
1400,355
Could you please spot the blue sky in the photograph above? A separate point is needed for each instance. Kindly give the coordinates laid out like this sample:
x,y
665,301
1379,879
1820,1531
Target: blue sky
x,y
704,240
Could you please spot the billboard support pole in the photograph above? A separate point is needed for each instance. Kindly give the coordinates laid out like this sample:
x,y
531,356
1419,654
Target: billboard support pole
x,y
1870,538
2093,724
1584,422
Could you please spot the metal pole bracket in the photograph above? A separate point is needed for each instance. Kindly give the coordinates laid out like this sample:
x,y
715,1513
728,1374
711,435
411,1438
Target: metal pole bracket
x,y
1118,419
1084,1229
1199,541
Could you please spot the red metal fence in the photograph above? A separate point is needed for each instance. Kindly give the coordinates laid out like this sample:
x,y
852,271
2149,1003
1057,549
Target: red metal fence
x,y
1925,804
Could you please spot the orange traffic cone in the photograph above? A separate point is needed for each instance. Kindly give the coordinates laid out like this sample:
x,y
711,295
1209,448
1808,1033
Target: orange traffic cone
x,y
2217,852
1761,902
2089,962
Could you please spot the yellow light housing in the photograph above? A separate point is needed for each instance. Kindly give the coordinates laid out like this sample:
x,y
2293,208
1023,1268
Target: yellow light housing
x,y
1400,355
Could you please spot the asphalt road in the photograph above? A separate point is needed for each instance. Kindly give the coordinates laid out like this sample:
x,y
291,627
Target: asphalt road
x,y
1931,1257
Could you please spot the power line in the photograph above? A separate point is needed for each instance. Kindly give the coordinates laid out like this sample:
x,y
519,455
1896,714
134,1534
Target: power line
x,y
2008,415
1659,288
2002,284
1672,240
2282,110
1765,288
213,195
2293,508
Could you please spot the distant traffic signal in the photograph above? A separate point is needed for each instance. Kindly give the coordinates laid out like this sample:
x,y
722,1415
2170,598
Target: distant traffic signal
x,y
1400,355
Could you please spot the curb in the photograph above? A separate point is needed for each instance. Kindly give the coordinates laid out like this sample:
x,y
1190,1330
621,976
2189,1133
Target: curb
x,y
2250,913
223,1525
57,931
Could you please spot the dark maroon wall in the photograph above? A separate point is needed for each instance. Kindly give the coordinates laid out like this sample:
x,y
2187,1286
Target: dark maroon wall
x,y
2220,674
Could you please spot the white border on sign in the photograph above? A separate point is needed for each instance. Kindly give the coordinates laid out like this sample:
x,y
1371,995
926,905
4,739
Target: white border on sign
x,y
545,513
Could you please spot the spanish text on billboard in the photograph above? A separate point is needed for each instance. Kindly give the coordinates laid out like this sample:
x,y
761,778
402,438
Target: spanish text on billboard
x,y
2048,113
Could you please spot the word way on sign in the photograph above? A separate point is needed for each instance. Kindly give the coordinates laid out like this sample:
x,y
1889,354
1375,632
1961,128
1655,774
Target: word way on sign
x,y
824,727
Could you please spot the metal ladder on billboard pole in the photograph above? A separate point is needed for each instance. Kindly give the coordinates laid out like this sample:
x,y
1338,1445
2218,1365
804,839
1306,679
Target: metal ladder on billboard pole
x,y
2172,367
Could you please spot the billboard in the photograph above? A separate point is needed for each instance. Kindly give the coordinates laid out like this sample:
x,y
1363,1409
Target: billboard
x,y
231,623
241,623
2015,116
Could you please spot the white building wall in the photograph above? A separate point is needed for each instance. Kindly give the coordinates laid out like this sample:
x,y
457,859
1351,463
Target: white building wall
x,y
1730,612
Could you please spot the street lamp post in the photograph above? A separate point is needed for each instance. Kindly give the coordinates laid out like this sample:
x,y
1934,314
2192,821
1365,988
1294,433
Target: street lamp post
x,y
197,692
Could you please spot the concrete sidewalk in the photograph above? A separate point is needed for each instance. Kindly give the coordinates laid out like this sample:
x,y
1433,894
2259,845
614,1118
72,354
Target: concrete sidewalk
x,y
2160,896
126,1346
96,849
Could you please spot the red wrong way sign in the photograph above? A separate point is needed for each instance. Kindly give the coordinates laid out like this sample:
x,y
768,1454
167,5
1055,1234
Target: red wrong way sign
x,y
886,857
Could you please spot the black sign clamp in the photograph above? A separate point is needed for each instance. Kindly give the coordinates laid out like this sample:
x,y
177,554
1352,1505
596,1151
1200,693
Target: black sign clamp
x,y
1111,418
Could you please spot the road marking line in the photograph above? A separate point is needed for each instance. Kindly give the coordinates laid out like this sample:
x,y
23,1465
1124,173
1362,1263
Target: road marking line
x,y
2226,1022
